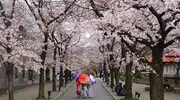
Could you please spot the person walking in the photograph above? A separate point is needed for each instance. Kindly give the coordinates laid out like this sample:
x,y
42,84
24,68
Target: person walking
x,y
78,89
89,87
84,91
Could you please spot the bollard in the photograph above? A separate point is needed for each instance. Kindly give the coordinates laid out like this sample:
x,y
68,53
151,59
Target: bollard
x,y
49,94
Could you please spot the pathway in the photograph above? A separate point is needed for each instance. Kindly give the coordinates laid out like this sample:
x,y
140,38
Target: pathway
x,y
31,92
144,94
99,93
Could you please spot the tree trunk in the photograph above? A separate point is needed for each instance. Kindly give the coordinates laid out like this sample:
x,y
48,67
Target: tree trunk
x,y
54,71
54,79
61,81
128,82
156,79
41,85
112,69
23,72
9,69
47,74
117,75
69,72
41,75
112,77
105,75
66,76
32,74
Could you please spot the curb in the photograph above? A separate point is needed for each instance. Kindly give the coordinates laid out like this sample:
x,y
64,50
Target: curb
x,y
107,90
56,98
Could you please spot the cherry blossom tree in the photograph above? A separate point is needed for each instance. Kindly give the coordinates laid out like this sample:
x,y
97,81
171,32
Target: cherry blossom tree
x,y
152,23
17,48
45,15
158,32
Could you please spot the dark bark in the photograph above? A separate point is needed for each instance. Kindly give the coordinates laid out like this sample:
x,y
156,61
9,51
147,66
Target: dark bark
x,y
117,75
112,71
41,75
54,79
95,9
112,77
66,76
54,72
128,82
47,74
61,81
69,74
41,85
156,79
105,75
32,74
23,72
9,70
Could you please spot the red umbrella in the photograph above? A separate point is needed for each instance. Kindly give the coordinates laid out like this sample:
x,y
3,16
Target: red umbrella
x,y
83,79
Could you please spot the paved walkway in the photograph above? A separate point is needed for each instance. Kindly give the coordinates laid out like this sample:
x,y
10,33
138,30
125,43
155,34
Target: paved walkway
x,y
31,92
144,94
99,93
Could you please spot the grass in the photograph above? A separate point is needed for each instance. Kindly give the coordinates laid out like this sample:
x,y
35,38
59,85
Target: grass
x,y
129,99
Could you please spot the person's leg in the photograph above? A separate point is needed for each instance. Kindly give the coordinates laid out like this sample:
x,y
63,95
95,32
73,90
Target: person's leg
x,y
86,91
90,91
88,88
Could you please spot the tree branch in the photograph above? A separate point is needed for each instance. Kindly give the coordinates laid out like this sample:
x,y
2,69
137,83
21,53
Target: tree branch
x,y
3,45
138,39
65,11
2,11
40,13
168,30
133,49
171,42
13,7
138,6
31,9
160,21
76,42
143,41
97,12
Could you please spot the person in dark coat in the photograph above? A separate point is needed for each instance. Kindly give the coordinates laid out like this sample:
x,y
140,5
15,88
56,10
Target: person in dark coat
x,y
118,89
123,91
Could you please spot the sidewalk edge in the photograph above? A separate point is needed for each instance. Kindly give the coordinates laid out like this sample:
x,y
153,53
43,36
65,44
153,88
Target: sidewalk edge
x,y
107,90
63,91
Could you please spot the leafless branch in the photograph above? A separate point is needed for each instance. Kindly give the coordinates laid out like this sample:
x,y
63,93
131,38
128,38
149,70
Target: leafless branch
x,y
65,11
97,12
171,41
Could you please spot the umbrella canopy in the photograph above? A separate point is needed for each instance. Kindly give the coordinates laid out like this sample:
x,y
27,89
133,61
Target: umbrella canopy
x,y
77,76
83,79
92,78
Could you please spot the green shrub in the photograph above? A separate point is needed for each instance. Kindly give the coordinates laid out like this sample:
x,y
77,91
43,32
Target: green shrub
x,y
133,77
